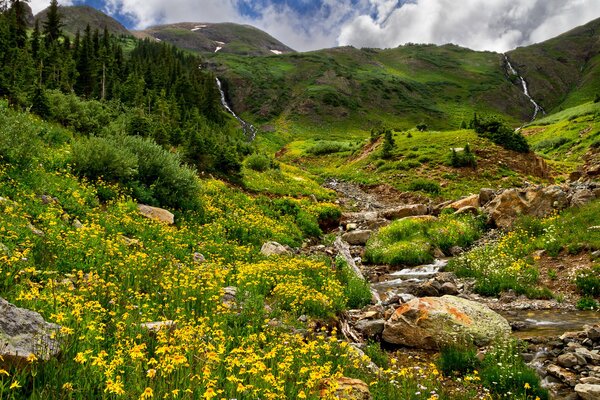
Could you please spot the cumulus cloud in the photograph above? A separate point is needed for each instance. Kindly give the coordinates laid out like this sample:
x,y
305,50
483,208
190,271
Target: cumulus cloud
x,y
39,5
497,25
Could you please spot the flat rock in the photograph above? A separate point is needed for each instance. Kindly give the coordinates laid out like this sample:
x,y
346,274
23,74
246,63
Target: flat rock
x,y
430,323
24,332
157,214
404,211
471,201
357,237
587,391
562,374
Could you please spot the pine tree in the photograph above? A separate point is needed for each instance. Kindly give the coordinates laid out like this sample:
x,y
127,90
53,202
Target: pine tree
x,y
53,25
388,144
40,103
35,41
19,22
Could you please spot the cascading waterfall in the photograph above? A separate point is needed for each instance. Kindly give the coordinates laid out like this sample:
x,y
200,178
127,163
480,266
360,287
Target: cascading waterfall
x,y
248,128
536,107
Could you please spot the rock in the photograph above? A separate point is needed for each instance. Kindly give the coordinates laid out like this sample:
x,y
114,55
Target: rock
x,y
47,199
538,202
431,288
199,258
404,211
486,195
351,226
575,176
157,326
581,197
595,255
562,374
449,288
467,210
346,389
592,380
35,230
593,332
4,249
157,214
569,360
229,295
456,251
370,328
587,355
471,201
359,217
587,391
274,249
77,224
357,238
24,332
430,323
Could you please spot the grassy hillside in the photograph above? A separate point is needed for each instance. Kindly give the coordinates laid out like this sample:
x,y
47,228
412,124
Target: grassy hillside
x,y
226,37
76,18
563,71
438,85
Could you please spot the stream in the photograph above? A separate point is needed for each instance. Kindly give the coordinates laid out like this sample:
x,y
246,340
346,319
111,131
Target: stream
x,y
536,107
249,129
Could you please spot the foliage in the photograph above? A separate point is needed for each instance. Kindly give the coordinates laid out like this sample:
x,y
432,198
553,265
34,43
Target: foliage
x,y
388,144
551,144
425,185
260,162
588,281
457,359
500,133
588,303
357,291
154,175
464,158
411,241
19,140
324,147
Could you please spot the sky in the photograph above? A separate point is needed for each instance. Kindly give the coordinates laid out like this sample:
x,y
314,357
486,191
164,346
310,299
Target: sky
x,y
495,25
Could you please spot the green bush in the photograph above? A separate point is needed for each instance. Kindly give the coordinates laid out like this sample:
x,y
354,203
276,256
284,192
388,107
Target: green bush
x,y
357,291
328,147
588,303
500,133
260,162
588,281
425,185
154,175
551,144
376,354
458,360
19,138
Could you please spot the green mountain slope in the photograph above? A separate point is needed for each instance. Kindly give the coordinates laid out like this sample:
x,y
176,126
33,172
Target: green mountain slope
x,y
438,85
210,38
563,71
76,18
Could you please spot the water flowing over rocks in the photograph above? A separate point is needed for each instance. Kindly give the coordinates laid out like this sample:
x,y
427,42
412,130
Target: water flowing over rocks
x,y
430,323
23,333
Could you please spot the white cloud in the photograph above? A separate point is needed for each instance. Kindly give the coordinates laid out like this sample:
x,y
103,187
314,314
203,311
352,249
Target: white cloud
x,y
497,25
39,5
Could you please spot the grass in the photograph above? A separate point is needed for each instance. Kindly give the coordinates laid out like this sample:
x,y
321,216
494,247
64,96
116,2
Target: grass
x,y
412,241
509,263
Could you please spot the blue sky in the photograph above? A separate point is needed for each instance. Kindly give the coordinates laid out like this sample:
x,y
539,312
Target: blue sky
x,y
497,25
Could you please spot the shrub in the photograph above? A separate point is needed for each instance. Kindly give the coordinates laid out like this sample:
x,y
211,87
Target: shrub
x,y
425,185
19,140
498,132
588,303
260,162
551,144
328,147
154,175
357,291
465,158
458,360
588,281
376,354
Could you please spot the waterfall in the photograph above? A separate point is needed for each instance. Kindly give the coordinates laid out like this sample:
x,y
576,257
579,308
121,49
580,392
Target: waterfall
x,y
536,107
248,128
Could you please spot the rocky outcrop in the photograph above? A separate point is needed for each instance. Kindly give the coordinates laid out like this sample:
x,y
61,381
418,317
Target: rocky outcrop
x,y
536,201
346,389
430,323
157,214
274,249
24,333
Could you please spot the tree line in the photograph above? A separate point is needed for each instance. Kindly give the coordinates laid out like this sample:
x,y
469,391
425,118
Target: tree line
x,y
101,84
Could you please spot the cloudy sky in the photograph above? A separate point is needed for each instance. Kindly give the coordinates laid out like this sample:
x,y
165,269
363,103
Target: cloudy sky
x,y
497,25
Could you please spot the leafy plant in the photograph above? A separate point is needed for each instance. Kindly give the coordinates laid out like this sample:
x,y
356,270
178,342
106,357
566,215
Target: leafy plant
x,y
588,281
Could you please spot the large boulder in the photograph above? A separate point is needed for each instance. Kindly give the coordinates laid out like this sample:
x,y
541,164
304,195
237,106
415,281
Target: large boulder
x,y
539,202
157,214
432,322
23,333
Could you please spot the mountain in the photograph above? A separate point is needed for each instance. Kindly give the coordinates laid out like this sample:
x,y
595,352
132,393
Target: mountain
x,y
76,18
563,71
210,38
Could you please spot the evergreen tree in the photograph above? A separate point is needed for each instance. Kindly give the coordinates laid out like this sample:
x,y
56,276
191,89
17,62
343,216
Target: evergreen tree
x,y
35,41
53,25
18,12
388,144
40,103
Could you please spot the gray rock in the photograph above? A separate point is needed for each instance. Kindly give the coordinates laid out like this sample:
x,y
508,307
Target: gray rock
x,y
274,249
24,332
35,230
77,224
569,360
562,374
581,197
593,333
595,255
587,391
591,380
199,258
467,210
370,328
404,211
449,288
357,238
